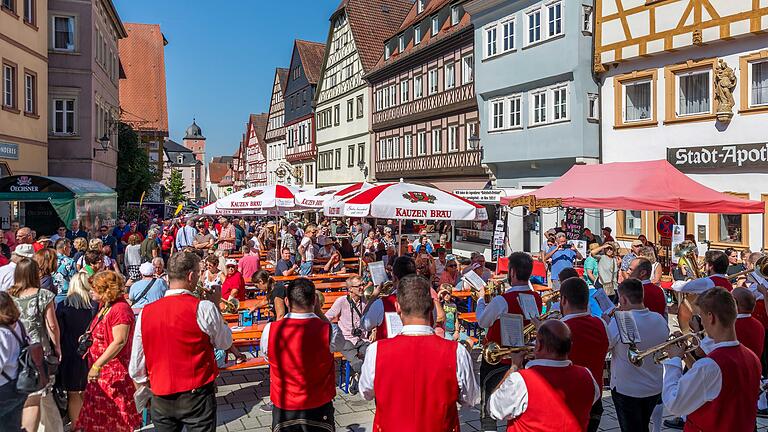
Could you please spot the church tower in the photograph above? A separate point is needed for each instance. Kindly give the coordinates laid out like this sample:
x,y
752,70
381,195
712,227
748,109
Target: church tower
x,y
195,141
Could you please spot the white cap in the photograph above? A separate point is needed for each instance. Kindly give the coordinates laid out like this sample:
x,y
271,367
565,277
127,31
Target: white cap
x,y
231,262
25,250
147,269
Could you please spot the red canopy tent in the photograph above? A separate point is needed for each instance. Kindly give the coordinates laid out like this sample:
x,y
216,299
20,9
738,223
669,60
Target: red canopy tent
x,y
652,185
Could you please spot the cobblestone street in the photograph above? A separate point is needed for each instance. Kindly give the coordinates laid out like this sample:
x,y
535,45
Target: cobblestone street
x,y
240,394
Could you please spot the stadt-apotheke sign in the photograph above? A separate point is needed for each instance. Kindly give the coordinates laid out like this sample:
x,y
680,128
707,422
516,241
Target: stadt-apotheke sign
x,y
729,158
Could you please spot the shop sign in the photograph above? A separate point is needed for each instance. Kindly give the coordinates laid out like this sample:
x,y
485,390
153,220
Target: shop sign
x,y
731,158
481,196
9,151
24,184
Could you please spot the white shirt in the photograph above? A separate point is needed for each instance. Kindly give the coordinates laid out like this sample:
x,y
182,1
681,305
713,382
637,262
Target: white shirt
x,y
375,315
209,320
469,391
626,378
309,249
6,276
696,286
439,267
9,352
753,280
488,314
510,400
684,394
337,339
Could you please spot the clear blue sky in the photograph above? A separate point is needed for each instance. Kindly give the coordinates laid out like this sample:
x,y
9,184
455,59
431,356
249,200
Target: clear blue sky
x,y
220,61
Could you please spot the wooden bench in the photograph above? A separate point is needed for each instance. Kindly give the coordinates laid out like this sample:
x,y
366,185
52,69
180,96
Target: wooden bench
x,y
470,318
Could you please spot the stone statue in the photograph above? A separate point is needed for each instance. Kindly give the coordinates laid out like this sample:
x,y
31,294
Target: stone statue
x,y
725,82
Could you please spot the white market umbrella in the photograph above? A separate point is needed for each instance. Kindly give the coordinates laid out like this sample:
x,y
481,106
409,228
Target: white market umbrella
x,y
316,198
272,197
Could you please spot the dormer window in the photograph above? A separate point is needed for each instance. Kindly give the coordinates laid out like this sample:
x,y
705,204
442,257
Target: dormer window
x,y
435,25
401,43
416,34
420,6
180,159
455,16
387,52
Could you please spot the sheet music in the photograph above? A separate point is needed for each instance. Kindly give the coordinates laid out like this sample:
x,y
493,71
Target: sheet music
x,y
605,303
378,274
528,305
394,324
473,279
511,326
628,332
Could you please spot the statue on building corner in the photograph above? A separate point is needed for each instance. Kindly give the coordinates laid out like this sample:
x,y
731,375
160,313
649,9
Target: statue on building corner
x,y
725,82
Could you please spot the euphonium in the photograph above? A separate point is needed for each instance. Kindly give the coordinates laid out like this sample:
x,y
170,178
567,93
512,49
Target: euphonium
x,y
686,259
493,353
690,342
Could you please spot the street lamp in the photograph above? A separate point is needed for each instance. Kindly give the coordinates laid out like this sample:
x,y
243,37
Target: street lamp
x,y
104,141
474,142
363,168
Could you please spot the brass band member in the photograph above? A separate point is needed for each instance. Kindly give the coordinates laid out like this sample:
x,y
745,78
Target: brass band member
x,y
636,389
589,337
550,394
414,395
758,286
520,269
717,265
653,296
299,348
720,391
749,331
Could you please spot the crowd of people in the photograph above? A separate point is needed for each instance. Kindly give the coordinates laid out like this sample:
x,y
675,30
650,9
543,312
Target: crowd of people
x,y
96,326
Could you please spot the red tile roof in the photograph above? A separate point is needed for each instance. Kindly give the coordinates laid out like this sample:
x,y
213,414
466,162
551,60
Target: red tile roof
x,y
260,122
217,171
282,76
143,100
311,54
372,22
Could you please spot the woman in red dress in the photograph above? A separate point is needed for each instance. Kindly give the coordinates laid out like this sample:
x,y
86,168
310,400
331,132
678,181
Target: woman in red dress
x,y
108,401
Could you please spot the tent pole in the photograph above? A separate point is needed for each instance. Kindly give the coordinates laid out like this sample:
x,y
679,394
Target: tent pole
x,y
400,236
541,234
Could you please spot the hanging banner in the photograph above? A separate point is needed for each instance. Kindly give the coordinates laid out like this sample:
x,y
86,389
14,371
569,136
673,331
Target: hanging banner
x,y
497,247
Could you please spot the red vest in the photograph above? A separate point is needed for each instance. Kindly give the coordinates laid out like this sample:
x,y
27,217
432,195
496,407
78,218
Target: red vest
x,y
751,334
513,307
722,282
589,344
733,409
654,299
559,400
389,306
759,313
301,373
413,395
179,356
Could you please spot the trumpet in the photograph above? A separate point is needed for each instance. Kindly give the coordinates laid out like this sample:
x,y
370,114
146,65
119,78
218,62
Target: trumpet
x,y
493,353
529,331
551,297
690,342
761,269
230,307
493,288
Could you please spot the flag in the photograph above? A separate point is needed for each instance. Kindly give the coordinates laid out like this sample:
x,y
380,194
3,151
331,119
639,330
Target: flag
x,y
178,209
141,200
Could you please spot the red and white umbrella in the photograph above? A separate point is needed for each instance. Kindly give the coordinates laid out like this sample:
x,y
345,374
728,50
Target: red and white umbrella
x,y
272,197
317,198
406,201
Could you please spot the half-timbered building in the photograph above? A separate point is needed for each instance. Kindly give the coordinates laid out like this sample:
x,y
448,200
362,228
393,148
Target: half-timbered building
x,y
687,81
355,44
275,135
256,150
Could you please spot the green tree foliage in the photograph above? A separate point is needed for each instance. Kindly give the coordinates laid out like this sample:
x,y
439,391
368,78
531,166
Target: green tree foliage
x,y
134,175
175,192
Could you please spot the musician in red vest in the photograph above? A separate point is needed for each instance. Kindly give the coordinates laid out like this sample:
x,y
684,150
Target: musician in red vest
x,y
589,337
299,348
758,285
653,296
749,331
376,312
173,344
717,264
719,393
414,395
488,317
550,394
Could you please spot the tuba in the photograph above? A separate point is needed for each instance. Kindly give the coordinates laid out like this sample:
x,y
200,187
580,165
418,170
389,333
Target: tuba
x,y
687,261
493,353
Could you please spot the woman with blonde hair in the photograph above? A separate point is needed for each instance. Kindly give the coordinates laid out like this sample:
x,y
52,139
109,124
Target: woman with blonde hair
x,y
47,261
39,319
649,253
133,257
108,401
81,246
73,315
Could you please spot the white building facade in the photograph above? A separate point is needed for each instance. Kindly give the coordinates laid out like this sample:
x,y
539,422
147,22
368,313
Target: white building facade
x,y
687,81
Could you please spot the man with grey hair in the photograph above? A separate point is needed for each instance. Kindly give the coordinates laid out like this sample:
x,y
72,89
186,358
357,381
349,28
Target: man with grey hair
x,y
563,255
185,237
347,311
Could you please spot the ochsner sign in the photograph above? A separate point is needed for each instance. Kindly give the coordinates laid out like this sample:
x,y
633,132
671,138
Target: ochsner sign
x,y
730,158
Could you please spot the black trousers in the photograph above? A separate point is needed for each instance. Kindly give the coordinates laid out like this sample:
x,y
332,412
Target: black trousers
x,y
490,377
320,419
595,414
764,357
634,414
195,410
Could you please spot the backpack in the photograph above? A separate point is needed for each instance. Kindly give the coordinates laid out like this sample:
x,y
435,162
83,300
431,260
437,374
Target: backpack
x,y
31,376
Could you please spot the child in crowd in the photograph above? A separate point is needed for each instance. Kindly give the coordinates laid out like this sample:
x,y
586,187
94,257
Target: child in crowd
x,y
451,325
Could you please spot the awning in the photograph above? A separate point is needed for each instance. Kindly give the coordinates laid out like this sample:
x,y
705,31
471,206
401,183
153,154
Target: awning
x,y
650,185
91,202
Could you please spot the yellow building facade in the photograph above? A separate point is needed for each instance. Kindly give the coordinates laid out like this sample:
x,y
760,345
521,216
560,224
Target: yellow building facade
x,y
24,110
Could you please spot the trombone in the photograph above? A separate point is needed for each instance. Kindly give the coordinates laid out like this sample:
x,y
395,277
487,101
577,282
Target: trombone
x,y
493,353
690,342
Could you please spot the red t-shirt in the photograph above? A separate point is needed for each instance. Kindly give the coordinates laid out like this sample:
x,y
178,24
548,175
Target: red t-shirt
x,y
234,282
167,242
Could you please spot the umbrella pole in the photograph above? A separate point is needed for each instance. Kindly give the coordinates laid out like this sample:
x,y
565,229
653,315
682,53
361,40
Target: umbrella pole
x,y
399,236
362,248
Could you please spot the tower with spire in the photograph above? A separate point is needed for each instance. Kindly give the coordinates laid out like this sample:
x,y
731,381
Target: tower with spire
x,y
195,141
